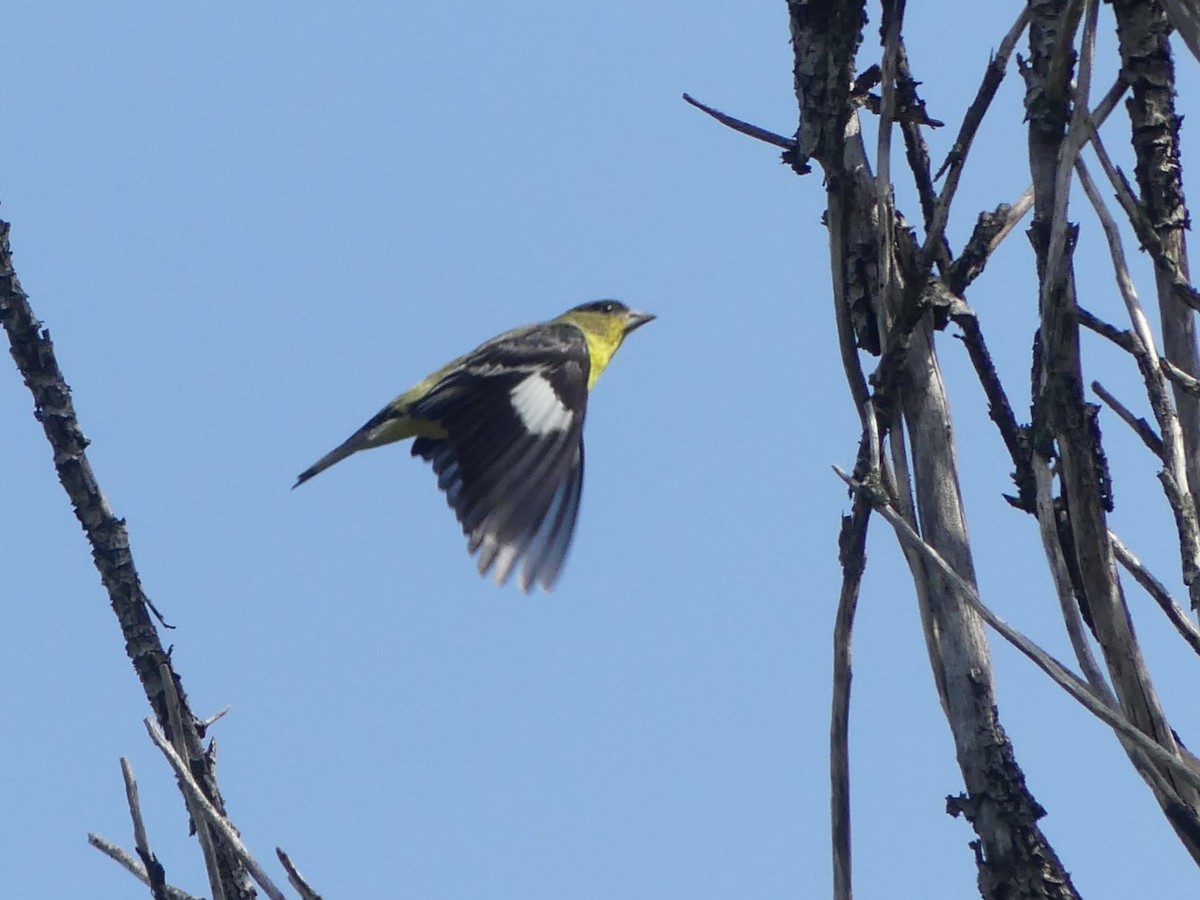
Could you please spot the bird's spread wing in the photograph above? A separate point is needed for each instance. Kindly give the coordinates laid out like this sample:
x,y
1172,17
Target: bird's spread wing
x,y
511,461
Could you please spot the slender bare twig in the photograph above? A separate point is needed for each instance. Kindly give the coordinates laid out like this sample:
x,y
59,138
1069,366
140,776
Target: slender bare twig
x,y
133,866
1139,425
916,151
1059,674
852,542
209,813
1077,135
993,75
851,552
1063,587
1180,377
1158,592
957,157
1137,318
1141,225
893,17
205,724
1126,340
1174,476
760,134
1108,102
1016,212
1148,64
1185,18
154,871
297,880
1024,203
208,846
842,312
1016,438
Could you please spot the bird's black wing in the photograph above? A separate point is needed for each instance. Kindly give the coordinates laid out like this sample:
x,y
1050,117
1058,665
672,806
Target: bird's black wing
x,y
511,463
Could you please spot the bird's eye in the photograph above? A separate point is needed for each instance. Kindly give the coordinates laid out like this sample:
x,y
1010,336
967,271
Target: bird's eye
x,y
606,307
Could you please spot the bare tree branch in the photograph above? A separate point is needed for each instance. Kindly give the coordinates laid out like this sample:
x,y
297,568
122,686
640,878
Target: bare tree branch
x,y
1146,64
209,813
1174,476
133,866
155,876
1139,425
1181,378
34,355
295,878
1174,613
760,134
1183,767
957,157
887,303
852,543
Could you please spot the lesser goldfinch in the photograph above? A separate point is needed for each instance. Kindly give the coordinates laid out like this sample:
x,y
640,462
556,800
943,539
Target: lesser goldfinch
x,y
503,430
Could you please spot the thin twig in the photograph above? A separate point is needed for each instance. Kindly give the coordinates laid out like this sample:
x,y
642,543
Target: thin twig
x,y
154,871
993,75
957,157
887,289
1141,225
133,866
204,724
852,541
1077,135
1180,377
760,134
1174,477
1016,438
1139,425
208,847
1185,19
1052,546
916,151
1016,212
1024,203
1158,592
297,880
210,813
1126,340
842,313
1059,674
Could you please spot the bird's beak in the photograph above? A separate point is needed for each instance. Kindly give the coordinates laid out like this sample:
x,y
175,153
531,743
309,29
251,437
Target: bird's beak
x,y
635,319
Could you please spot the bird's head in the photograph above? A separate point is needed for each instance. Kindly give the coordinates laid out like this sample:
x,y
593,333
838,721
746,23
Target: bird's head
x,y
604,324
610,318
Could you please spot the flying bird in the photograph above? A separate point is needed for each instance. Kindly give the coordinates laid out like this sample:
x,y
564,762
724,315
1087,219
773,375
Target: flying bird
x,y
502,427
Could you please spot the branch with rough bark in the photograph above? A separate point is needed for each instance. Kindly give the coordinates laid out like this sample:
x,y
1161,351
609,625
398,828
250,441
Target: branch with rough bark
x,y
892,292
178,732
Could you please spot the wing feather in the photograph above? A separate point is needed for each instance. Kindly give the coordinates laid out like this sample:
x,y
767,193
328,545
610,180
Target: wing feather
x,y
513,476
553,539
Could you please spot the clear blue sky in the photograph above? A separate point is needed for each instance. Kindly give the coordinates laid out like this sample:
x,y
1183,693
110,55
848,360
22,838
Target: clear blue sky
x,y
250,225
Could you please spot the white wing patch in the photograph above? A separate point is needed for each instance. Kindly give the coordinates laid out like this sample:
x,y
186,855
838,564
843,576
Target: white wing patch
x,y
538,406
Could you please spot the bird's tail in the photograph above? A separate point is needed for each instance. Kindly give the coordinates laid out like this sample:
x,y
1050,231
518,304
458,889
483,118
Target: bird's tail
x,y
392,423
